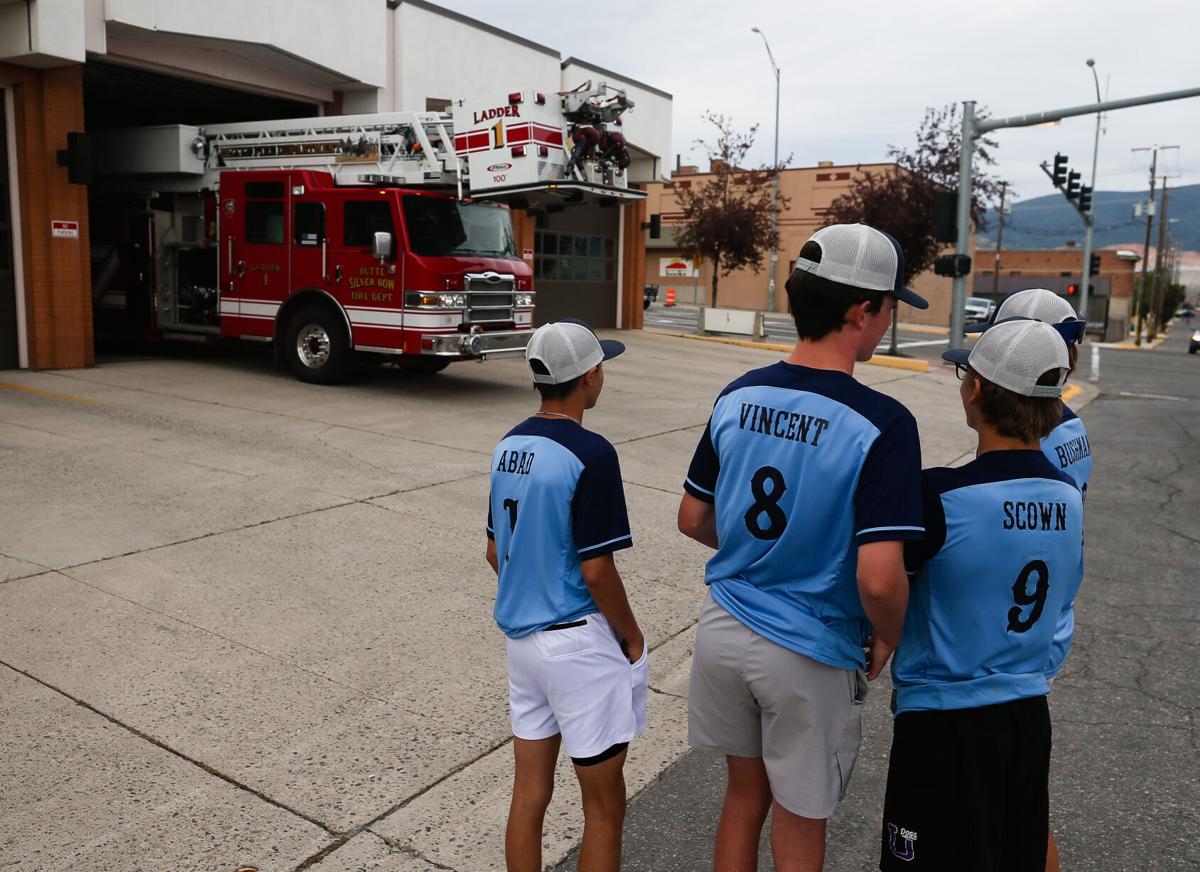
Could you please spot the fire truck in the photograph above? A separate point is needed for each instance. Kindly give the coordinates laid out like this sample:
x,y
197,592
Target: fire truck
x,y
384,236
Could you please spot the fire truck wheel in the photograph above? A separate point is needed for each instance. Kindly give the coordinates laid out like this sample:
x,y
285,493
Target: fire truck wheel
x,y
419,364
318,347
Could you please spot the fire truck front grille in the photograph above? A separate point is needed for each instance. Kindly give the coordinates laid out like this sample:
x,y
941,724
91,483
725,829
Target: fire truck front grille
x,y
489,301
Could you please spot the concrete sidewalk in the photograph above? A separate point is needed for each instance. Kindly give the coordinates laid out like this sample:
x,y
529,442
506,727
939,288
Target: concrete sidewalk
x,y
246,621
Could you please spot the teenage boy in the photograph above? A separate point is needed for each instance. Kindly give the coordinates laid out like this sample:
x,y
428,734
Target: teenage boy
x,y
1002,559
577,660
806,483
1066,446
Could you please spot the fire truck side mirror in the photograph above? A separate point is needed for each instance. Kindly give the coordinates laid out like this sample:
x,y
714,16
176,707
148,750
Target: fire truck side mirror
x,y
381,245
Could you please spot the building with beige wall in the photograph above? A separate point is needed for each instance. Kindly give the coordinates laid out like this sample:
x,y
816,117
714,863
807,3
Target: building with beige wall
x,y
1058,270
809,191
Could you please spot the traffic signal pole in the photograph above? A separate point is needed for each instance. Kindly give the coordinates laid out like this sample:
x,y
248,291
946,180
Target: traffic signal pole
x,y
973,129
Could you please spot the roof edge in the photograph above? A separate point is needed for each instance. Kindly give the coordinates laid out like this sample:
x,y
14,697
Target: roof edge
x,y
606,72
477,24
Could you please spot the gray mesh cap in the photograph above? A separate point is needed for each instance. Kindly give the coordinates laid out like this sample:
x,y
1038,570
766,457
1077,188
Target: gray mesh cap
x,y
862,257
1015,354
567,349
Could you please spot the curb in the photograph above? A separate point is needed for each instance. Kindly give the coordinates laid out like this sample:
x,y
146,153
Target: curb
x,y
877,360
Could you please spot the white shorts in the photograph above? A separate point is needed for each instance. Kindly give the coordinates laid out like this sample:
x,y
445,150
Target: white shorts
x,y
577,682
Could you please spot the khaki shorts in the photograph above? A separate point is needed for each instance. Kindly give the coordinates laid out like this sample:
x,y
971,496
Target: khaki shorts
x,y
749,697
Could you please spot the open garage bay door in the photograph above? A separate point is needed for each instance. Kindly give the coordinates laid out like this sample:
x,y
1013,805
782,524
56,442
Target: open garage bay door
x,y
121,224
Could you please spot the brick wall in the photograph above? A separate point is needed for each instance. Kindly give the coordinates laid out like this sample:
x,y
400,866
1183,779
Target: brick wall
x,y
57,272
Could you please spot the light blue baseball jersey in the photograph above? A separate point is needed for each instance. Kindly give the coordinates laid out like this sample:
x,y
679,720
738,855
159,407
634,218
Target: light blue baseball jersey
x,y
556,500
1002,560
1068,448
804,465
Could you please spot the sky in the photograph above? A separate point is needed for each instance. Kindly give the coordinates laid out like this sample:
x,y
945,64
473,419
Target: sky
x,y
857,78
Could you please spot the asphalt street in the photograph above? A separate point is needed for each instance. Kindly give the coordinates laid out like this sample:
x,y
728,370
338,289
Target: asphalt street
x,y
924,342
1125,781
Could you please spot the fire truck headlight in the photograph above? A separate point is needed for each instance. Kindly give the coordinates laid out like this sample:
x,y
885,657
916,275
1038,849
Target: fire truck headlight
x,y
523,300
452,301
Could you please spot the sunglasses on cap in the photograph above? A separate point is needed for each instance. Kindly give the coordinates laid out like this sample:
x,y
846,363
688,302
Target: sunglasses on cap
x,y
1070,331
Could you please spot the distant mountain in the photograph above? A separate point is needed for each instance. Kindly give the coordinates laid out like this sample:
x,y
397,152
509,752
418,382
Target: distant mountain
x,y
1050,221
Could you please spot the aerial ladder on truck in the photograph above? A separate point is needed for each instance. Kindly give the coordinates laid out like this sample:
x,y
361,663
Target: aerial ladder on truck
x,y
383,231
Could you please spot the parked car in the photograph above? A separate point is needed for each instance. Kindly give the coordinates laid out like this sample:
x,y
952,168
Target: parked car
x,y
979,308
649,295
1194,345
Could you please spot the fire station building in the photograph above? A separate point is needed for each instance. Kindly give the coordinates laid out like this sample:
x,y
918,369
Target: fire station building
x,y
81,66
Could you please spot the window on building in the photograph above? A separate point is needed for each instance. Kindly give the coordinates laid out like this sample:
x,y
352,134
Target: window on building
x,y
1066,274
574,257
365,218
264,222
436,104
309,223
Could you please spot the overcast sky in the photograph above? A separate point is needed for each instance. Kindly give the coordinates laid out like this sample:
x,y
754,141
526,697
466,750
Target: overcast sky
x,y
858,76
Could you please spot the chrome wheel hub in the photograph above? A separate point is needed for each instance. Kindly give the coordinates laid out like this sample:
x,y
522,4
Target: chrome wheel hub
x,y
312,346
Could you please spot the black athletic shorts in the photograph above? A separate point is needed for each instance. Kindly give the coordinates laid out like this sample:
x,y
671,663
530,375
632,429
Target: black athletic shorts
x,y
967,789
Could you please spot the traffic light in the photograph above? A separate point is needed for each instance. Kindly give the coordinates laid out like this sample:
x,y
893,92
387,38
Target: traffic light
x,y
1060,170
1085,199
1095,264
1072,289
952,265
1072,190
656,225
945,216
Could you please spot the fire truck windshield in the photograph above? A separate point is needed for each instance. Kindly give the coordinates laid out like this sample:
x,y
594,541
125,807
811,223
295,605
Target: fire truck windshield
x,y
440,227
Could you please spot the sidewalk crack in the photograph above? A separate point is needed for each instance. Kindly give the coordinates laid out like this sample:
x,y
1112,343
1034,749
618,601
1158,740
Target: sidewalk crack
x,y
199,764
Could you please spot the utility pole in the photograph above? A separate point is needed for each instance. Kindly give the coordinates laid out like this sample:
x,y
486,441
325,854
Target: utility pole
x,y
1140,298
972,129
775,183
1156,299
1141,290
999,242
1089,217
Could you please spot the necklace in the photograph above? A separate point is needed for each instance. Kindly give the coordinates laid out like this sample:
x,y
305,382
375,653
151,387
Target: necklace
x,y
555,415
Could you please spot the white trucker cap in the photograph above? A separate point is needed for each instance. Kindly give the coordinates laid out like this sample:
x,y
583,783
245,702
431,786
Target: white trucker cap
x,y
1015,353
1040,305
567,349
862,257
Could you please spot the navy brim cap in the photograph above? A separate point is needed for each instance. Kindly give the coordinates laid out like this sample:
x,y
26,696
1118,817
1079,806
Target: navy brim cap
x,y
908,295
611,348
956,355
1070,331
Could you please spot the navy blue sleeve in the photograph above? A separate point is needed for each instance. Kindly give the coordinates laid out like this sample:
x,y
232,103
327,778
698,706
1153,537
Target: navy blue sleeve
x,y
599,520
701,481
887,502
918,552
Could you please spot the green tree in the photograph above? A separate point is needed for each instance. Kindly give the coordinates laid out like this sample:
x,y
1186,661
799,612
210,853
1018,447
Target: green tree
x,y
727,216
900,201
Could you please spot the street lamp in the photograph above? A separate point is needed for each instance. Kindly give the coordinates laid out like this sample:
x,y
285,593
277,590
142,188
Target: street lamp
x,y
775,185
1090,218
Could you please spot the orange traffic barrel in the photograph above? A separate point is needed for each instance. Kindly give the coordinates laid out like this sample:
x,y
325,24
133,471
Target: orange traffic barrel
x,y
670,300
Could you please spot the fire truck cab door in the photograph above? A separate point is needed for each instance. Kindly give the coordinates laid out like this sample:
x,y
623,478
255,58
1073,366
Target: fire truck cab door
x,y
256,224
369,287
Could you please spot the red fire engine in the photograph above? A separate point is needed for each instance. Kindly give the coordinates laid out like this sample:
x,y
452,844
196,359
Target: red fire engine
x,y
343,237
